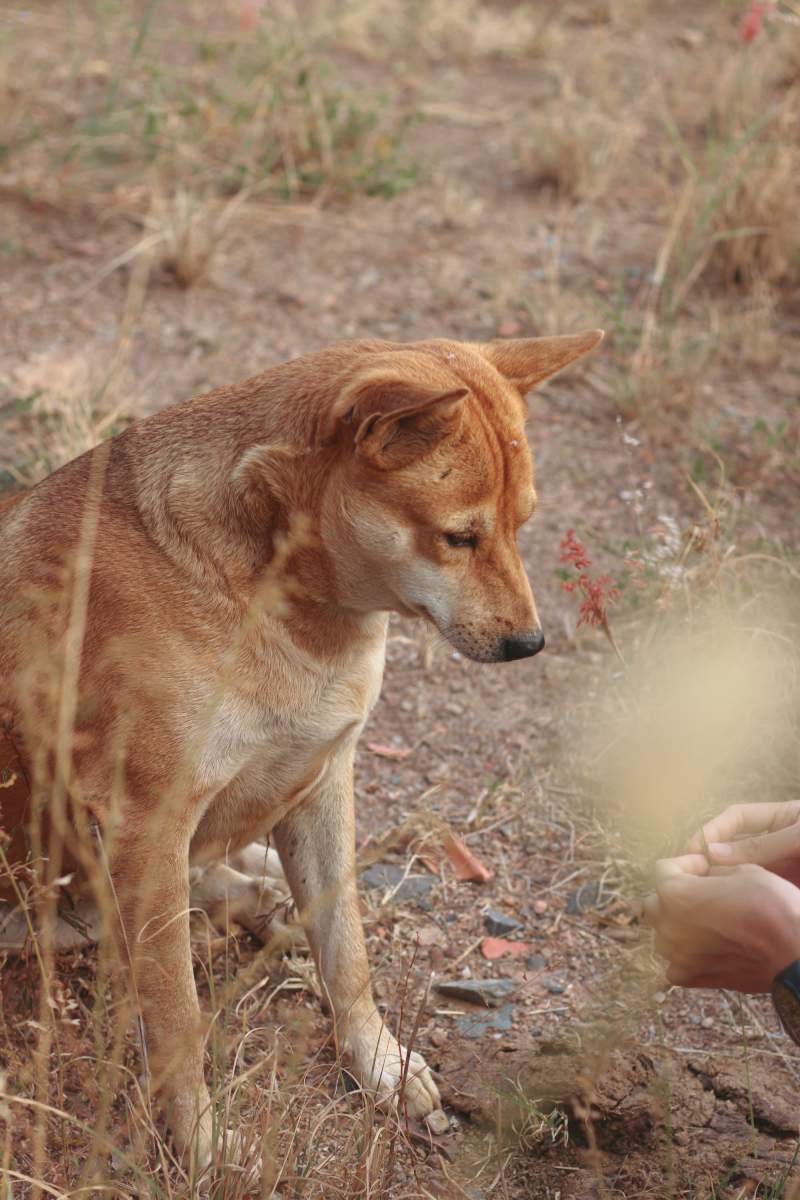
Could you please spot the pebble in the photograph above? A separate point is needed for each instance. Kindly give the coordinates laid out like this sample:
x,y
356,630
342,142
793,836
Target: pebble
x,y
498,924
556,989
386,877
535,962
438,1122
475,1025
488,992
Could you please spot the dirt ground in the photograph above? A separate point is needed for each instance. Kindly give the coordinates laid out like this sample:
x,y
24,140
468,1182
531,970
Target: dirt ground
x,y
658,1093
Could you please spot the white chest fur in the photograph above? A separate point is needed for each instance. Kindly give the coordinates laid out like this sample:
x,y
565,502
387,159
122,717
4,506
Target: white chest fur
x,y
264,740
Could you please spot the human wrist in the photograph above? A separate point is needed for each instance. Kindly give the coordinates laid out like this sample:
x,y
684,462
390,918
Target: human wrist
x,y
784,945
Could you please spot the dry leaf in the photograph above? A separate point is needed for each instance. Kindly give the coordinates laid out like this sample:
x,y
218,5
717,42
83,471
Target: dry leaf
x,y
394,752
466,866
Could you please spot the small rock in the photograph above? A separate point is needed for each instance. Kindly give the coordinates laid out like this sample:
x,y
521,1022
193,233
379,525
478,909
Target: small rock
x,y
437,1122
475,1025
430,935
555,988
387,876
437,1037
540,907
498,924
535,962
707,1022
488,992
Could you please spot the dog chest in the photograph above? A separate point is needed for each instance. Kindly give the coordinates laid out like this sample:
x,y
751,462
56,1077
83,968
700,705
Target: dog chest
x,y
270,748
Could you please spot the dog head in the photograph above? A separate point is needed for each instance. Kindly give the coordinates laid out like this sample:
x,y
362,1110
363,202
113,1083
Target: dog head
x,y
434,480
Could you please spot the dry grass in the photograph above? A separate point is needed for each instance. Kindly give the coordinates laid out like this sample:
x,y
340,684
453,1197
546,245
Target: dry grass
x,y
64,407
740,151
460,31
685,169
240,106
570,148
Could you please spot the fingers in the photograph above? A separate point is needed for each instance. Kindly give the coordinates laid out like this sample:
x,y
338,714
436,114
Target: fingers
x,y
763,850
745,819
651,909
669,875
684,864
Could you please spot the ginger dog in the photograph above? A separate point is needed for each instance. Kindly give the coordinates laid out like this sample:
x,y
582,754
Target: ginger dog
x,y
192,631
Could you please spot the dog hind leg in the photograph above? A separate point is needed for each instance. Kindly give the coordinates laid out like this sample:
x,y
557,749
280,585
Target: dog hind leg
x,y
256,895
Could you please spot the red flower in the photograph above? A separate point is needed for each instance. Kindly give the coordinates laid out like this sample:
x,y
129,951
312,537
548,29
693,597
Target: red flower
x,y
573,552
598,594
753,20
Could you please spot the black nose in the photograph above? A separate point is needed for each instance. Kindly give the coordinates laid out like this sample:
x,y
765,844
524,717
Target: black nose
x,y
524,645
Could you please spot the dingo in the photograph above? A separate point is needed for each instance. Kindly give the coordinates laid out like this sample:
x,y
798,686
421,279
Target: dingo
x,y
192,631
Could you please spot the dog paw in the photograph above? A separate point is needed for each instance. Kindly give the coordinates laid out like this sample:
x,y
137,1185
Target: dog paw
x,y
211,1150
381,1065
259,902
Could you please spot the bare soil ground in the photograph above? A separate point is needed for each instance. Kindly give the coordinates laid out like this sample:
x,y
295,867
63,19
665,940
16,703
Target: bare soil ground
x,y
658,1094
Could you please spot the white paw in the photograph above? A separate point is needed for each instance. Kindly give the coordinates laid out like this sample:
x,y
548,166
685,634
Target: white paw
x,y
209,1150
258,902
381,1065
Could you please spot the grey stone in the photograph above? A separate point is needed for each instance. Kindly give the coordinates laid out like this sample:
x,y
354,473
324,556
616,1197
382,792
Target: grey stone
x,y
498,924
488,992
475,1025
535,962
386,877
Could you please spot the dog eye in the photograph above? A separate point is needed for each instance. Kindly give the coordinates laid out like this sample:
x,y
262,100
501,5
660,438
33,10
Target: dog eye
x,y
461,541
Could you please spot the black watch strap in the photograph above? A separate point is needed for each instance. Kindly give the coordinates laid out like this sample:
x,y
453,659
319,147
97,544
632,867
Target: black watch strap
x,y
786,998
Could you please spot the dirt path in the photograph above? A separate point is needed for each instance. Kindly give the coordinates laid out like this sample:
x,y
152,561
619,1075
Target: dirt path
x,y
679,1096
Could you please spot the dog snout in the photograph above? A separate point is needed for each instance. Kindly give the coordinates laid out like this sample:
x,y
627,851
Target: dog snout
x,y
523,645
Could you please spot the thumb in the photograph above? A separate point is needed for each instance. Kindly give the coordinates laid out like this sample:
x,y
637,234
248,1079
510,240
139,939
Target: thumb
x,y
764,849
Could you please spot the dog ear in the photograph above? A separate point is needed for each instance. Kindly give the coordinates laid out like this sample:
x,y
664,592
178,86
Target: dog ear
x,y
398,420
527,362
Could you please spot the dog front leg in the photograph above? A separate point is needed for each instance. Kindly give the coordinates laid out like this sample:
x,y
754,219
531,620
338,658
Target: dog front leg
x,y
316,843
150,873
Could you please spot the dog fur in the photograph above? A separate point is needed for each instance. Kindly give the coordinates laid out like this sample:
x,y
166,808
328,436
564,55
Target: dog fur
x,y
192,631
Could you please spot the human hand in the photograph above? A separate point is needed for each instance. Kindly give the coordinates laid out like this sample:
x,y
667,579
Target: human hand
x,y
723,927
767,834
